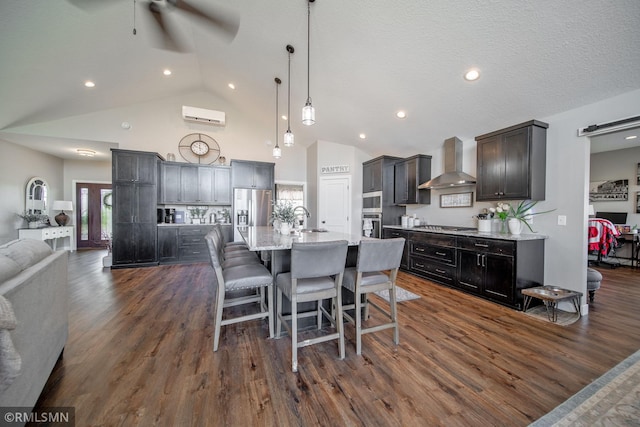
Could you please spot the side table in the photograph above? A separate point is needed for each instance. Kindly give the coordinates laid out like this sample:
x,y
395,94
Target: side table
x,y
551,296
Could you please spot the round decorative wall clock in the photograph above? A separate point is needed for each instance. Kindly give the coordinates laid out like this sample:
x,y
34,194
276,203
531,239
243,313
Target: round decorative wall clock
x,y
199,148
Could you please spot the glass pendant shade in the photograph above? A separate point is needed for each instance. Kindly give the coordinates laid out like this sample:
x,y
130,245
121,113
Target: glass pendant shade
x,y
277,152
308,113
288,138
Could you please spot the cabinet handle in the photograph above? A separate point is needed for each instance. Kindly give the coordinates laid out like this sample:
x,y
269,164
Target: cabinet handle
x,y
481,245
419,249
440,271
484,258
441,253
419,265
478,260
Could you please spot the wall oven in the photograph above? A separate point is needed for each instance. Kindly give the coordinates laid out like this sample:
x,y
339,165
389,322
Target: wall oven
x,y
372,202
375,219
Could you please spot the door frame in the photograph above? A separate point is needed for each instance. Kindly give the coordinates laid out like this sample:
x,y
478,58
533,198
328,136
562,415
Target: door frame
x,y
349,207
74,191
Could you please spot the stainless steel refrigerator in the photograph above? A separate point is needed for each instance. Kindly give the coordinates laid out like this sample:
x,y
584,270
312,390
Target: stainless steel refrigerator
x,y
250,208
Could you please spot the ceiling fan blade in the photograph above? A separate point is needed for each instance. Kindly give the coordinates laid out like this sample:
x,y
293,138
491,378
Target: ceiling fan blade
x,y
170,42
225,22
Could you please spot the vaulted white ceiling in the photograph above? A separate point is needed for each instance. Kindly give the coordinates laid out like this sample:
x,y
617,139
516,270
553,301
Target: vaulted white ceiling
x,y
368,60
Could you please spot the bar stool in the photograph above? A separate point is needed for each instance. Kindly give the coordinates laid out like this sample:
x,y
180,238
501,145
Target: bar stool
x,y
316,274
249,276
375,256
231,258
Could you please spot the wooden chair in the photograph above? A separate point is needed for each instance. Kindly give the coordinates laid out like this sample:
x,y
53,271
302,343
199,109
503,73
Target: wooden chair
x,y
375,258
316,275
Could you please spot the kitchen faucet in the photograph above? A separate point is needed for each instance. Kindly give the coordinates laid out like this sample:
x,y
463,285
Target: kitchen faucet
x,y
306,211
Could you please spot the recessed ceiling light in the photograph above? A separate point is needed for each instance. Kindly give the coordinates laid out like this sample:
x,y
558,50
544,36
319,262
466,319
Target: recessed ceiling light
x,y
85,152
632,137
231,86
401,114
89,83
167,72
472,75
363,136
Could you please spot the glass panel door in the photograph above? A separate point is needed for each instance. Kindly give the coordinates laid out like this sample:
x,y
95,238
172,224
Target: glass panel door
x,y
93,215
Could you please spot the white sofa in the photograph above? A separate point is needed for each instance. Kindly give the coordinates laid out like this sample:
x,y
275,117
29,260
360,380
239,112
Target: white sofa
x,y
33,279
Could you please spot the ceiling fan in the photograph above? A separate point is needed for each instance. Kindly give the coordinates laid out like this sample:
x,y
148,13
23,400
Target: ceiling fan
x,y
224,23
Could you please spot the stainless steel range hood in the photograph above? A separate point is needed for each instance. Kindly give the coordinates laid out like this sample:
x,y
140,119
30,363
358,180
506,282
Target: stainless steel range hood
x,y
453,175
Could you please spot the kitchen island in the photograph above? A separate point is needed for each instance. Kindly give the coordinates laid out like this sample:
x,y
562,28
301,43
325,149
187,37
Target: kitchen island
x,y
493,266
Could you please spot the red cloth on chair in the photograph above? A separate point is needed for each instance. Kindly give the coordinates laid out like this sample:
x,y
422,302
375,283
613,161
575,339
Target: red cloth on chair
x,y
602,235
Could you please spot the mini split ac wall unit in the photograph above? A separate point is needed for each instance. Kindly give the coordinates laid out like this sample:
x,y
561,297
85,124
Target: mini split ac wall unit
x,y
201,115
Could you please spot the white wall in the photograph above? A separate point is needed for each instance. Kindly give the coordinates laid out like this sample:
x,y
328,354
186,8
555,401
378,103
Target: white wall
x,y
18,165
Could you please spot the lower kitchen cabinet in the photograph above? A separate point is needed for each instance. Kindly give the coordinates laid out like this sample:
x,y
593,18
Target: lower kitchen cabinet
x,y
185,243
433,256
391,233
498,270
491,268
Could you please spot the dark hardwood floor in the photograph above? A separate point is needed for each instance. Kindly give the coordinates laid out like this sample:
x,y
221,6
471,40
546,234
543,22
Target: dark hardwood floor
x,y
140,353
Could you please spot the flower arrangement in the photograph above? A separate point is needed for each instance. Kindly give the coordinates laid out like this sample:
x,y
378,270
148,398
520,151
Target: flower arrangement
x,y
522,212
501,211
284,212
32,217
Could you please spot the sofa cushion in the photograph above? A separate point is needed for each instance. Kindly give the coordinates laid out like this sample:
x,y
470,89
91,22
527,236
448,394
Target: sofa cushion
x,y
8,268
26,252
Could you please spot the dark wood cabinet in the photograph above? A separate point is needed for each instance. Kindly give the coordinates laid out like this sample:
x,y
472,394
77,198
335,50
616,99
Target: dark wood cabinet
x,y
134,207
391,233
512,163
493,269
183,244
409,174
498,270
433,256
195,184
247,174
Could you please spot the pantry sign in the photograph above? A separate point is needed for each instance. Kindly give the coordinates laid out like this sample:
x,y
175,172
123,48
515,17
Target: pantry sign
x,y
326,170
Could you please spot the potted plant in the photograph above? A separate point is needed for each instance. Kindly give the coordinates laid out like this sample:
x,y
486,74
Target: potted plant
x,y
284,214
197,214
33,219
521,215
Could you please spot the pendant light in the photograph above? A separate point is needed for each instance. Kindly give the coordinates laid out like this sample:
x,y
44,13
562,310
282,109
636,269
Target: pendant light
x,y
288,135
308,112
277,152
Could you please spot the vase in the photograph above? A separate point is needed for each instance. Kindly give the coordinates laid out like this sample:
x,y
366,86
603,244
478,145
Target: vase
x,y
515,226
276,225
33,224
285,228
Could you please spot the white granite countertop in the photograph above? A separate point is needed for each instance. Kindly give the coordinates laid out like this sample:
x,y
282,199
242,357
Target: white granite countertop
x,y
173,224
474,233
265,238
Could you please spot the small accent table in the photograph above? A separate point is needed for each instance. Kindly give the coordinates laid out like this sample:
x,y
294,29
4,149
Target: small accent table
x,y
51,235
551,296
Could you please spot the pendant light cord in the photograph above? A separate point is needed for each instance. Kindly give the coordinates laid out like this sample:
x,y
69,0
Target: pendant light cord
x,y
289,91
308,47
277,89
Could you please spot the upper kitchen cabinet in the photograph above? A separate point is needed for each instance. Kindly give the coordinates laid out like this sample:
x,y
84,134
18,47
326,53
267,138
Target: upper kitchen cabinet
x,y
247,174
134,166
409,174
195,184
512,163
377,174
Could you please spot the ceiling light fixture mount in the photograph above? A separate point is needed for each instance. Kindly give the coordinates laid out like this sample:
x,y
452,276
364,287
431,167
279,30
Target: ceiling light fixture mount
x,y
277,152
472,75
308,112
288,135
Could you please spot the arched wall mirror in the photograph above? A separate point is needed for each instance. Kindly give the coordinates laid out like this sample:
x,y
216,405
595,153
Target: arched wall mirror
x,y
37,192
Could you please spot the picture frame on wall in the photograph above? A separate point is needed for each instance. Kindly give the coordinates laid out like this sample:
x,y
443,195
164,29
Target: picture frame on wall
x,y
456,200
609,191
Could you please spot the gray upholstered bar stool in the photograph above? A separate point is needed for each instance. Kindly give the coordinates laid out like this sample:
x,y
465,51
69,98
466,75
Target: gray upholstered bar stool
x,y
375,257
229,247
231,259
249,276
316,275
